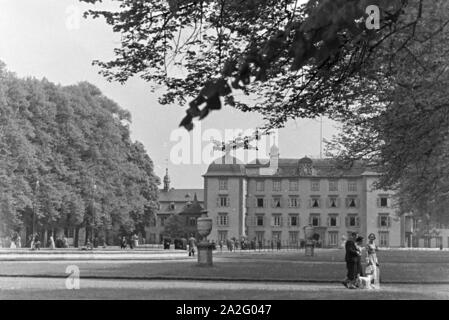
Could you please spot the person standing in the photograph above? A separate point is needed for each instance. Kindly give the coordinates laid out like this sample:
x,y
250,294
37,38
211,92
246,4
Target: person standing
x,y
359,268
123,243
351,261
371,260
18,241
192,242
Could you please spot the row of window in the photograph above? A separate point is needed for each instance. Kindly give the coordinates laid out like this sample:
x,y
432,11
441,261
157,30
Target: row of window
x,y
293,220
315,185
294,202
332,239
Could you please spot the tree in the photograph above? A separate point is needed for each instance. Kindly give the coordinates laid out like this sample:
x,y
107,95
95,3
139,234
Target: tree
x,y
175,227
67,161
405,132
300,60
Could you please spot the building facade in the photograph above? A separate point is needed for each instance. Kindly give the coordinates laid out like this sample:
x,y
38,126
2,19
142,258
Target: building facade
x,y
187,203
273,200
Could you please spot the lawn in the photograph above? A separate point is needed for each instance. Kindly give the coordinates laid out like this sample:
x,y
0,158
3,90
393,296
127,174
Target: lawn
x,y
326,266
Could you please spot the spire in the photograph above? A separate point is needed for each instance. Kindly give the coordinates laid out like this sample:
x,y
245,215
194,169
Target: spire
x,y
166,181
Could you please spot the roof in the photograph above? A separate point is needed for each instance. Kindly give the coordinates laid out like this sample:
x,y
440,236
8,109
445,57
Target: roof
x,y
192,208
289,167
226,166
180,195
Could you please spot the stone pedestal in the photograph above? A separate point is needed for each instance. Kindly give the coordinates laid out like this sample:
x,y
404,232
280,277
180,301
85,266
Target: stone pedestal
x,y
310,248
205,254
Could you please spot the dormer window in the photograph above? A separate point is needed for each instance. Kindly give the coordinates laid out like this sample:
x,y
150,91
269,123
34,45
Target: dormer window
x,y
171,206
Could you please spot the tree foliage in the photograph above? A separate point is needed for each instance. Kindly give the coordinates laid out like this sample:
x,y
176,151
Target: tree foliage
x,y
298,59
387,86
66,154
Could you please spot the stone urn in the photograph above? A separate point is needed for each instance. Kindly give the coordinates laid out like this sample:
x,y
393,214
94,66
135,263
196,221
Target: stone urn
x,y
204,226
308,232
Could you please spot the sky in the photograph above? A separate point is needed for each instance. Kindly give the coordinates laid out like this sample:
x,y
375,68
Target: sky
x,y
49,38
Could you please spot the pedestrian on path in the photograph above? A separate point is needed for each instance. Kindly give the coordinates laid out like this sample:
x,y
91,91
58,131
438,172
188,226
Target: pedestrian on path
x,y
351,256
192,243
371,260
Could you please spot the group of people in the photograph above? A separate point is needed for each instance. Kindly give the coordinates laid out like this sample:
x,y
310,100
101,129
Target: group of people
x,y
357,276
132,242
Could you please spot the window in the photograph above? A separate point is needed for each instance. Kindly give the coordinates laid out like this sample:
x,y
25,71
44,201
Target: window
x,y
260,202
333,238
415,224
260,185
315,220
276,185
260,236
333,202
171,206
294,220
384,220
332,220
293,185
352,220
352,186
383,202
162,220
192,222
222,219
223,184
293,237
259,220
223,201
315,203
277,220
351,202
222,235
276,235
315,185
333,185
439,241
384,237
293,202
276,202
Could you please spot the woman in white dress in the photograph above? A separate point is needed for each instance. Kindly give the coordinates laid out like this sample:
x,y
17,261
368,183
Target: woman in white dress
x,y
371,260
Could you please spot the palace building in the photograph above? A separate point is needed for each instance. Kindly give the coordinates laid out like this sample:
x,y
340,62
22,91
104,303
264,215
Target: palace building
x,y
275,199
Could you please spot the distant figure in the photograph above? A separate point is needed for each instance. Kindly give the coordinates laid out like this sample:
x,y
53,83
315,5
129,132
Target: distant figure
x,y
221,245
131,242
123,243
37,242
31,239
373,263
52,243
13,243
18,241
89,245
65,242
192,242
278,244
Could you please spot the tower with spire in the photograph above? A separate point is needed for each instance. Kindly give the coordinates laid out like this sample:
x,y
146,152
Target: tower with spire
x,y
166,181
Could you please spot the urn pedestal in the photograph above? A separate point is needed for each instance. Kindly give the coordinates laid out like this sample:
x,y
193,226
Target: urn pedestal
x,y
310,243
204,226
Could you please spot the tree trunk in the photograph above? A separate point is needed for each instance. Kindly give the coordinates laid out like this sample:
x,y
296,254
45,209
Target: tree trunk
x,y
76,238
